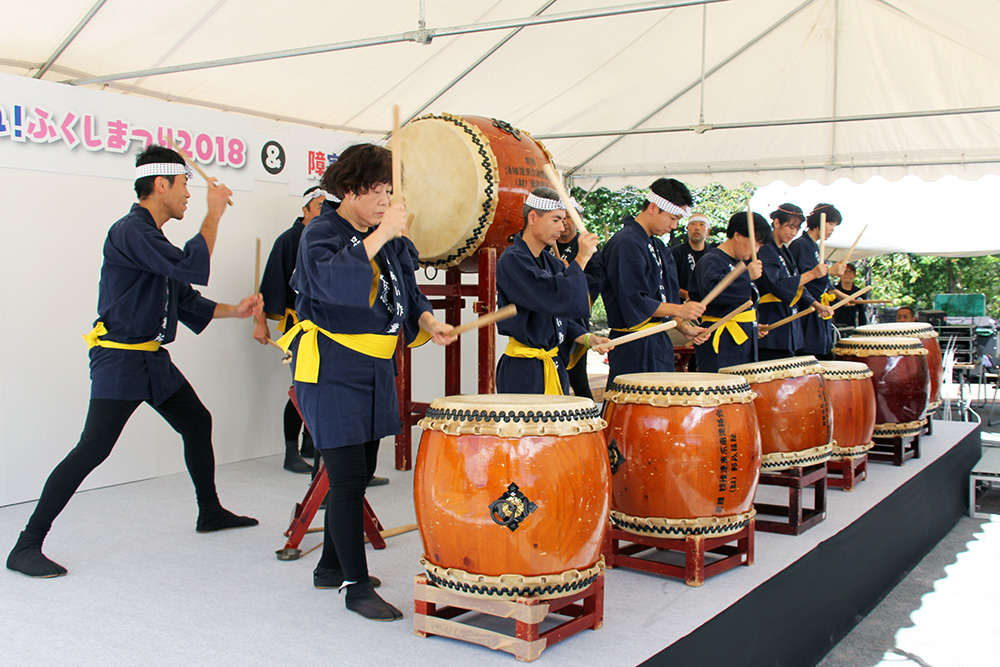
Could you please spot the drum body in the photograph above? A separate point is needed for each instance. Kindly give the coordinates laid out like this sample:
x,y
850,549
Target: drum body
x,y
685,453
852,396
793,411
465,180
900,378
928,337
512,494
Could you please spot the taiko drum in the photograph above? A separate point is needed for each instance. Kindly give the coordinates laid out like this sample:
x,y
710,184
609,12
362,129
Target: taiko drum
x,y
685,453
900,377
465,180
852,396
512,494
927,336
793,411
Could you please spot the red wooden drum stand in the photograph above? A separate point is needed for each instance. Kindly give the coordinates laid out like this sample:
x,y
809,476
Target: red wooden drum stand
x,y
852,396
437,611
901,379
797,519
685,458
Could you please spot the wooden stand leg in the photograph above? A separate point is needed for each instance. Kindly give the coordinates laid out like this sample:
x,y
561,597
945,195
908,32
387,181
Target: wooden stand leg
x,y
797,519
896,450
845,473
436,612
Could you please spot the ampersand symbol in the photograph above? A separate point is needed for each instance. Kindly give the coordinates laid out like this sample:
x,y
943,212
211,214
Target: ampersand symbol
x,y
273,157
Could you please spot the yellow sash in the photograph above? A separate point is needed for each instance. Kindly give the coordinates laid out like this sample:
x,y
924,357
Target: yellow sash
x,y
578,353
94,340
380,346
771,298
734,329
826,299
522,351
283,319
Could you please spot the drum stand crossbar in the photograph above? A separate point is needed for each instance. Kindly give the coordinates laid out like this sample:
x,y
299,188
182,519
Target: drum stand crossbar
x,y
453,293
306,510
798,519
845,473
436,610
895,450
704,556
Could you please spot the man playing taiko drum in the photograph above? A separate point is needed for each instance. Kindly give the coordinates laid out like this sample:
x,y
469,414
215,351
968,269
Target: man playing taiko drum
x,y
551,298
640,287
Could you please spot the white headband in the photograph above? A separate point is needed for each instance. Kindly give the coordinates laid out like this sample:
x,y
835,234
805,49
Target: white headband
x,y
665,205
576,204
334,198
699,216
309,196
163,169
543,204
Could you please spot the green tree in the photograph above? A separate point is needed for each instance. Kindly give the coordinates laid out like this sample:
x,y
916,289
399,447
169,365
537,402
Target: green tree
x,y
914,280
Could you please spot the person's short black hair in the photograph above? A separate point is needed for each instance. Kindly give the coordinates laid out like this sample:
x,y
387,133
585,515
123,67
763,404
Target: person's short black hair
x,y
542,191
154,154
359,168
672,190
832,216
851,267
738,225
788,213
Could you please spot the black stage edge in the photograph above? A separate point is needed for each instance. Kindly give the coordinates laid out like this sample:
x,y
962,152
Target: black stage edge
x,y
797,616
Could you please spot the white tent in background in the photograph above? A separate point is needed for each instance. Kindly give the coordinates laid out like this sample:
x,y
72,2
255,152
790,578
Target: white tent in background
x,y
702,90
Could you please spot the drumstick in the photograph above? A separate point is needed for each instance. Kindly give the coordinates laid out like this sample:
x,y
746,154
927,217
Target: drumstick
x,y
735,273
397,168
256,272
752,233
822,237
812,309
850,252
873,300
504,313
636,335
557,185
721,323
389,532
197,168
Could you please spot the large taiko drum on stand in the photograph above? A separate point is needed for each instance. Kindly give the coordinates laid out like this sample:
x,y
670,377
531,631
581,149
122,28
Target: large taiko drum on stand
x,y
685,453
512,494
900,378
465,180
927,336
852,395
793,411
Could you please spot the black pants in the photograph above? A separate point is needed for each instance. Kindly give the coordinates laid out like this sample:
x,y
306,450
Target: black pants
x,y
292,422
578,379
348,470
105,420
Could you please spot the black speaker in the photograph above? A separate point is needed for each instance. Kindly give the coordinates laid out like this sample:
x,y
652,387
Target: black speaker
x,y
934,317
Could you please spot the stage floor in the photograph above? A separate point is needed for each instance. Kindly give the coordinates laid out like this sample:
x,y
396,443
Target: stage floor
x,y
145,588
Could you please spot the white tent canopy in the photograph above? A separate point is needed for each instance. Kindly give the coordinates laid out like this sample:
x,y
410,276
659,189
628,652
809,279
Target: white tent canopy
x,y
702,90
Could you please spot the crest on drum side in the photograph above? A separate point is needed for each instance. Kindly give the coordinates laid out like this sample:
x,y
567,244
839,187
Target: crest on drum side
x,y
511,508
504,126
615,456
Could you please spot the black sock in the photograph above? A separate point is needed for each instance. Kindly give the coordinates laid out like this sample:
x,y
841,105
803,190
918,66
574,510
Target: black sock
x,y
26,557
362,599
210,521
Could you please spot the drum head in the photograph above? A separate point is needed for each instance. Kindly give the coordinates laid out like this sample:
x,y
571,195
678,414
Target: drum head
x,y
691,389
450,178
845,370
512,415
777,369
896,330
886,346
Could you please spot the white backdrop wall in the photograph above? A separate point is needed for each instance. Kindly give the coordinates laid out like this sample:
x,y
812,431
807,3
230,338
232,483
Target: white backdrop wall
x,y
54,227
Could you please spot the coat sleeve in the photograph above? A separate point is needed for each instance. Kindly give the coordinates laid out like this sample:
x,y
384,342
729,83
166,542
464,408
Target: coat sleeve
x,y
558,293
146,248
627,275
332,271
193,310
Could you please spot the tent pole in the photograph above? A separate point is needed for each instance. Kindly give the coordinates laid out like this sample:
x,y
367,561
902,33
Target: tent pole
x,y
69,39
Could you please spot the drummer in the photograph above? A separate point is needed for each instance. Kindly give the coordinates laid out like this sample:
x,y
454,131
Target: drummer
x,y
905,314
687,254
783,287
736,341
355,285
817,332
851,314
573,354
640,285
551,298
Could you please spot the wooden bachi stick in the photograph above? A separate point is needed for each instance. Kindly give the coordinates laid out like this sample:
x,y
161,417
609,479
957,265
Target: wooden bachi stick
x,y
504,313
194,164
822,237
752,233
557,185
811,309
724,283
636,335
397,165
850,252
